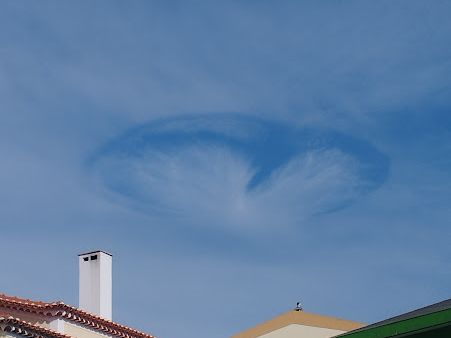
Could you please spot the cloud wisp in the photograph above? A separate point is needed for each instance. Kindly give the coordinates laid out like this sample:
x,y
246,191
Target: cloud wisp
x,y
236,172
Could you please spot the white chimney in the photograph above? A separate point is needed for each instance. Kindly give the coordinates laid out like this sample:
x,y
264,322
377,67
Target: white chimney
x,y
95,283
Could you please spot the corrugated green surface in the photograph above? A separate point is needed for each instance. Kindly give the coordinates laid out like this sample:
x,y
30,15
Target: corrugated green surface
x,y
440,319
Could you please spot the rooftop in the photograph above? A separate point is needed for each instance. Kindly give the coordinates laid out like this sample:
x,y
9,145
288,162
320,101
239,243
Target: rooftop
x,y
67,312
300,318
423,320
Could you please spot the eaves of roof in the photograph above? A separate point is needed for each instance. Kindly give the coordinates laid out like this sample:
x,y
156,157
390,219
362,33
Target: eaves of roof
x,y
435,316
61,310
29,330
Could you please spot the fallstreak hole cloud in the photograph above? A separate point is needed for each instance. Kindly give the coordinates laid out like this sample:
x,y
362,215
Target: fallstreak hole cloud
x,y
235,171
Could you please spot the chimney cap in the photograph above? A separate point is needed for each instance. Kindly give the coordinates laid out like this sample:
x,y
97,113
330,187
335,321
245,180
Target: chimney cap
x,y
96,251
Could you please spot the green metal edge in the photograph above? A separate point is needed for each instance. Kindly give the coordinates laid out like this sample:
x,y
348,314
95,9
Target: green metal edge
x,y
403,326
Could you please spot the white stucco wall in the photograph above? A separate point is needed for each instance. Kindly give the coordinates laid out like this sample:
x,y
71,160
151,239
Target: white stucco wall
x,y
302,331
95,283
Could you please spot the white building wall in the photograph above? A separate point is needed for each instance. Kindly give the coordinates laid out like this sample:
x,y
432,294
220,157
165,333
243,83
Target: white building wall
x,y
57,325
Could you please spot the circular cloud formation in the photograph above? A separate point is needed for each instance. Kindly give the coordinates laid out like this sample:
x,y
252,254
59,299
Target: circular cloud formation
x,y
236,171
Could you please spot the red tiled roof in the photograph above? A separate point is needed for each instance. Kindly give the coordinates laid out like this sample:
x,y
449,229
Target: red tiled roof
x,y
59,309
20,327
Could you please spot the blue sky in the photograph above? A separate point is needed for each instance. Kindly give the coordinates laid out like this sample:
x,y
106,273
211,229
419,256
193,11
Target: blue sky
x,y
235,157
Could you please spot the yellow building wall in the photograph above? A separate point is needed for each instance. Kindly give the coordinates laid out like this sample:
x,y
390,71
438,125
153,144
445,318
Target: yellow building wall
x,y
301,331
78,331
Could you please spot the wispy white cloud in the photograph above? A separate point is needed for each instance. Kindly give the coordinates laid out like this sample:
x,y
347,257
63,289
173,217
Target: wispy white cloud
x,y
298,61
195,171
206,186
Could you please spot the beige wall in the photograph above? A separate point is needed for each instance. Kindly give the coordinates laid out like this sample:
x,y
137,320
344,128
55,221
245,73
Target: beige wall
x,y
78,331
300,331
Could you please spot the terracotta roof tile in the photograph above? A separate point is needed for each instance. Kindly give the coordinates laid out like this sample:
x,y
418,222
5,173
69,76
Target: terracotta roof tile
x,y
20,327
59,309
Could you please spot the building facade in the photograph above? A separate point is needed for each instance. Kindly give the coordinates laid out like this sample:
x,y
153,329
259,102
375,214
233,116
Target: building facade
x,y
92,319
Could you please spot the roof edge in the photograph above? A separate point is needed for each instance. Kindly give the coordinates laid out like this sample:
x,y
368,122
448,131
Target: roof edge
x,y
95,251
299,318
61,310
10,324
